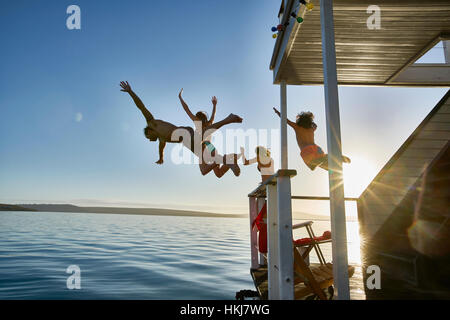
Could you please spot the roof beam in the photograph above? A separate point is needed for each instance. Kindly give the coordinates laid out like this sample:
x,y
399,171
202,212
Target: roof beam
x,y
437,74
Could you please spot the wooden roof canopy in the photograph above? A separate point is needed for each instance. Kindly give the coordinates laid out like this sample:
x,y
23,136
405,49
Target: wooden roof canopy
x,y
377,57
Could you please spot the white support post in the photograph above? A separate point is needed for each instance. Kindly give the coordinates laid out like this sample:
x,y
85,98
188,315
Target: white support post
x,y
260,204
446,44
283,125
272,238
253,240
337,204
285,246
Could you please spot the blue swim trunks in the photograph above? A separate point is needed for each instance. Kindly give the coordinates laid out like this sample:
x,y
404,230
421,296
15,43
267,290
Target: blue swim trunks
x,y
210,146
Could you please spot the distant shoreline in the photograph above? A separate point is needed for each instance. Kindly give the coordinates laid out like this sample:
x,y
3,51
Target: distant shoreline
x,y
115,210
143,211
12,207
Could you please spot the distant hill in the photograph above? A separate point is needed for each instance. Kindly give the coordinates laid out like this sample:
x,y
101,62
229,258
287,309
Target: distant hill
x,y
121,210
144,211
11,207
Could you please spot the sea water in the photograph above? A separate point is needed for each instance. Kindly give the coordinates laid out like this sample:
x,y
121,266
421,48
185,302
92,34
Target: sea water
x,y
130,256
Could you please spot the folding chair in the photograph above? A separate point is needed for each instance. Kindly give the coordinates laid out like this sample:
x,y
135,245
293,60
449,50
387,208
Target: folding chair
x,y
309,281
313,279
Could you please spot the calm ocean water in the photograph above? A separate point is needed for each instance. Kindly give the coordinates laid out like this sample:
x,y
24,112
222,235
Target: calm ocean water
x,y
129,256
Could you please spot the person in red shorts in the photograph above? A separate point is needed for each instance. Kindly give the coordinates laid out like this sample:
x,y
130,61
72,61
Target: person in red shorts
x,y
312,154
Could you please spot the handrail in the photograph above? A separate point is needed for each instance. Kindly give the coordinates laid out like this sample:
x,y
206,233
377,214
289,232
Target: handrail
x,y
260,192
320,198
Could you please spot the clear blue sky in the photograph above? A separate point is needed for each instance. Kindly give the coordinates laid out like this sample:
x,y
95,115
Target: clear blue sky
x,y
67,134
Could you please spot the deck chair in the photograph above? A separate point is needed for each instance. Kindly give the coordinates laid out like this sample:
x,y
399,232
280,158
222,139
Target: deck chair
x,y
310,280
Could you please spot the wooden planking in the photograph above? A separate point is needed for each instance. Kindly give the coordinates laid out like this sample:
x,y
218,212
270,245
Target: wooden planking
x,y
389,8
364,40
368,56
405,171
422,73
420,153
360,75
390,188
392,180
379,36
397,24
428,143
442,117
419,162
373,217
344,62
351,70
375,210
445,108
366,48
380,188
374,47
371,229
434,135
404,33
346,76
365,65
375,199
437,126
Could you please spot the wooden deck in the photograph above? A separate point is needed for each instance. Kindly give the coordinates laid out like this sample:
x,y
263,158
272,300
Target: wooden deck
x,y
356,283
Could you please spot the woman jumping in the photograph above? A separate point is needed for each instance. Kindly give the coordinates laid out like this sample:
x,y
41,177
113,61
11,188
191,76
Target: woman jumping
x,y
209,158
264,161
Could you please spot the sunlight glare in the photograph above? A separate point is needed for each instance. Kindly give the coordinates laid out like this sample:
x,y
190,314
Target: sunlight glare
x,y
357,175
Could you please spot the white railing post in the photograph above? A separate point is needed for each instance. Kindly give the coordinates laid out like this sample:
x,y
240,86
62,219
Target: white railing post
x,y
283,125
336,185
260,204
285,246
446,44
272,239
253,240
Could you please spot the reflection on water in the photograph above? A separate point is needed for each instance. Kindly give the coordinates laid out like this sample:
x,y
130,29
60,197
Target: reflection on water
x,y
129,256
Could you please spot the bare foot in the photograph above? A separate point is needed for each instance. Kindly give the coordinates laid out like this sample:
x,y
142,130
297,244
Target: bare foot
x,y
235,167
236,170
230,160
242,155
235,118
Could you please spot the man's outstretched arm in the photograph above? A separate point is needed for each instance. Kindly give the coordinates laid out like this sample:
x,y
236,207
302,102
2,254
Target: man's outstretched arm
x,y
162,145
127,88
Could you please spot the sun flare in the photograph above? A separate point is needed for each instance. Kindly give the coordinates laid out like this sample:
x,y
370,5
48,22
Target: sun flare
x,y
357,175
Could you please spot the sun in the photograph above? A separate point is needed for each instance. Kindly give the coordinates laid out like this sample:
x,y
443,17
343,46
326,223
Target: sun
x,y
357,175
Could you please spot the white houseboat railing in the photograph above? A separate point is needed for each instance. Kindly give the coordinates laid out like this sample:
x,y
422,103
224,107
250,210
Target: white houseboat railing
x,y
279,261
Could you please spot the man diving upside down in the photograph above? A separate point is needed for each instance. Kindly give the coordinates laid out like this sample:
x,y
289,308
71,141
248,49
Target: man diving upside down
x,y
167,132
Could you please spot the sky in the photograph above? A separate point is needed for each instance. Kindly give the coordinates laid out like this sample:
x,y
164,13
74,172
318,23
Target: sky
x,y
69,135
